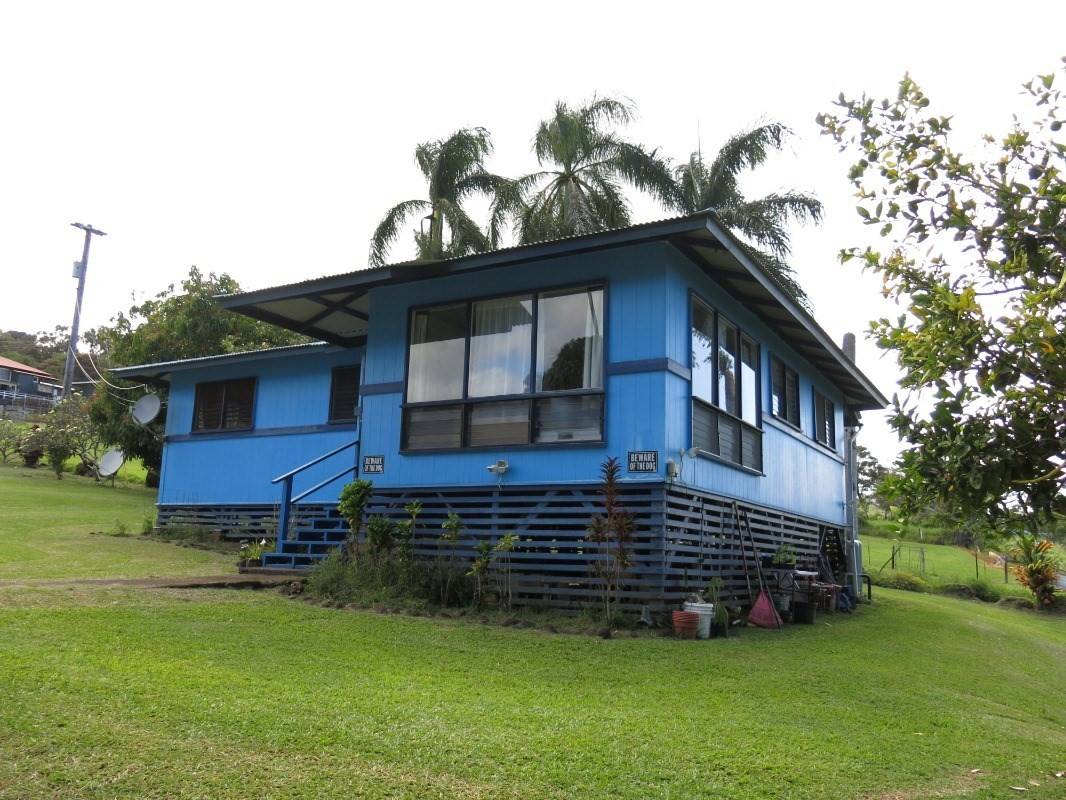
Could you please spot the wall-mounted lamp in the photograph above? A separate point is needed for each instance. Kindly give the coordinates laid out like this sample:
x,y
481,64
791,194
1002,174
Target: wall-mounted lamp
x,y
498,469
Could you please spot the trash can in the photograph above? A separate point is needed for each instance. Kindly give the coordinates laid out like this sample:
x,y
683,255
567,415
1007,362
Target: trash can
x,y
706,614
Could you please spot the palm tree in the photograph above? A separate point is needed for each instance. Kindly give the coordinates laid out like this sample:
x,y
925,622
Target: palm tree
x,y
455,170
762,222
580,191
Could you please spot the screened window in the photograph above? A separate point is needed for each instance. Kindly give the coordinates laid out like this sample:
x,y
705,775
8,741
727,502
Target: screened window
x,y
825,420
784,392
523,369
725,389
344,394
224,405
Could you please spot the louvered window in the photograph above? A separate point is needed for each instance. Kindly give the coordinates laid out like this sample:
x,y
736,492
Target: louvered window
x,y
784,392
725,389
825,423
224,405
344,394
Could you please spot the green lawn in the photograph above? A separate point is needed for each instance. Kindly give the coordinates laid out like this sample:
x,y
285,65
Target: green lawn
x,y
943,564
47,531
123,692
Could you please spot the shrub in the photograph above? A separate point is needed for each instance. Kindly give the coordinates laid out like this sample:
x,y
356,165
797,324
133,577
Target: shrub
x,y
612,531
10,434
1036,567
31,446
352,505
901,580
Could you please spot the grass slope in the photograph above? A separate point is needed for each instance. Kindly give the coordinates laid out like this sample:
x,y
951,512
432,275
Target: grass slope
x,y
46,525
225,694
117,692
943,564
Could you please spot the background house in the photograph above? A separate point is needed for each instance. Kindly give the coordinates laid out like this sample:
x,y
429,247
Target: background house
x,y
661,345
25,389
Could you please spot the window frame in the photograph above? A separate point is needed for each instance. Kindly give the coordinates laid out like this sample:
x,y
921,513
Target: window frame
x,y
224,381
713,405
332,420
466,402
821,399
786,369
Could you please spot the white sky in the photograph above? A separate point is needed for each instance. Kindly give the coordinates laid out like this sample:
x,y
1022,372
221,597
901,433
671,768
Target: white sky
x,y
266,140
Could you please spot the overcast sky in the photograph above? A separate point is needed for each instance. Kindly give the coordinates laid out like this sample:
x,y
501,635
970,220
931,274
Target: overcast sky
x,y
265,140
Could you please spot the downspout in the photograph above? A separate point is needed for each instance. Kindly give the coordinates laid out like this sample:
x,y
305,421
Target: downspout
x,y
853,546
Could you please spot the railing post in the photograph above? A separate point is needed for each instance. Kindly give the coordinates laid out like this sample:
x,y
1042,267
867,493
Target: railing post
x,y
283,514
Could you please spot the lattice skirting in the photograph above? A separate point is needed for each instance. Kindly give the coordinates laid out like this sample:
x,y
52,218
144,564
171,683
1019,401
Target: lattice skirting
x,y
234,522
683,537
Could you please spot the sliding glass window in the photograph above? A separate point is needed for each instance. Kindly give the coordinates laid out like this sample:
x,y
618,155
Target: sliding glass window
x,y
524,369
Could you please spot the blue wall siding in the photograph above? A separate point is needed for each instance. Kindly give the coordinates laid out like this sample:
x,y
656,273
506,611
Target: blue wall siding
x,y
800,475
292,391
636,409
647,311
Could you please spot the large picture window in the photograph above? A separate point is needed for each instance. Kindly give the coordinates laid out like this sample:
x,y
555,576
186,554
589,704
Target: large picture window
x,y
516,370
725,389
224,405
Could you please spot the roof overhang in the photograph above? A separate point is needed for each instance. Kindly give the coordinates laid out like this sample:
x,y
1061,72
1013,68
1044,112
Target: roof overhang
x,y
161,371
336,308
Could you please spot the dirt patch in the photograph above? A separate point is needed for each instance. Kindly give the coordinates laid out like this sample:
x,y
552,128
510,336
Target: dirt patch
x,y
253,581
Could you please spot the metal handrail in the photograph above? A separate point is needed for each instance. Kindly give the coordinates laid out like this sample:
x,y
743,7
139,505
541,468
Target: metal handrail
x,y
326,482
318,460
287,500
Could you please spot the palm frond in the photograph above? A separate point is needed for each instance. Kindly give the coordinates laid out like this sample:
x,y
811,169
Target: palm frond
x,y
746,151
387,230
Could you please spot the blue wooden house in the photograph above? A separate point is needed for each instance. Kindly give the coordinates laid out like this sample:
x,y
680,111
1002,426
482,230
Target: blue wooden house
x,y
495,386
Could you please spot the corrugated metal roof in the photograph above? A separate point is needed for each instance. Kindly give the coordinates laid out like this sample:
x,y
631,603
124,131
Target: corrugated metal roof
x,y
160,368
18,366
335,308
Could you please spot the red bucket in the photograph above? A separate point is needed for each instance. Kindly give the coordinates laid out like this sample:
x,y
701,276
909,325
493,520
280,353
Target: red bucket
x,y
686,624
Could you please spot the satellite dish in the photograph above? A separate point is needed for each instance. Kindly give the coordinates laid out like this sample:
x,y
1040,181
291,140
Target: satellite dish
x,y
110,463
146,409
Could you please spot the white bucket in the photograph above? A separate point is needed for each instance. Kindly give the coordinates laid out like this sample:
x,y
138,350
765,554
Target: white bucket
x,y
706,613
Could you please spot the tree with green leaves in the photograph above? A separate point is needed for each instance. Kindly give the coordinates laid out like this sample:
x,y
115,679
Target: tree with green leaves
x,y
454,169
585,166
175,324
762,222
976,251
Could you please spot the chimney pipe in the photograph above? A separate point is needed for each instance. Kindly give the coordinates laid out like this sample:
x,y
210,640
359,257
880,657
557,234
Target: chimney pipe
x,y
849,346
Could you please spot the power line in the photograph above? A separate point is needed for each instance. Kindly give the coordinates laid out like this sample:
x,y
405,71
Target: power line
x,y
96,369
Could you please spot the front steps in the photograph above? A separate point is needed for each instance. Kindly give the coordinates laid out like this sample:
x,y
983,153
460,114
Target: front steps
x,y
315,532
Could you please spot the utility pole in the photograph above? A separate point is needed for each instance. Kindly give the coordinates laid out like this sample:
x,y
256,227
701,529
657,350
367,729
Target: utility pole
x,y
80,268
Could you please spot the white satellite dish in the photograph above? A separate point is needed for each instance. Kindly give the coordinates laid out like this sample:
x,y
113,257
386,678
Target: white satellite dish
x,y
110,463
146,409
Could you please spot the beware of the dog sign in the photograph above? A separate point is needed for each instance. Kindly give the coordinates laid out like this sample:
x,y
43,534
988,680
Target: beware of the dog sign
x,y
643,460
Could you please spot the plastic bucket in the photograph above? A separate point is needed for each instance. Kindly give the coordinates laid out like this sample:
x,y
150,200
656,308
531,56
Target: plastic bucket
x,y
706,615
686,624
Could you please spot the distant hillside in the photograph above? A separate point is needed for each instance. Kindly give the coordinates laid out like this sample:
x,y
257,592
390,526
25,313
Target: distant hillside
x,y
45,351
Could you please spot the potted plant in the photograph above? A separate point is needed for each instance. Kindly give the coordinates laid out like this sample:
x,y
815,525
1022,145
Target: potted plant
x,y
251,553
720,622
784,558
